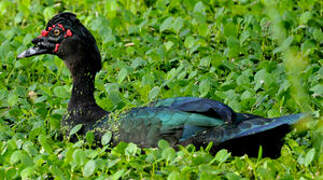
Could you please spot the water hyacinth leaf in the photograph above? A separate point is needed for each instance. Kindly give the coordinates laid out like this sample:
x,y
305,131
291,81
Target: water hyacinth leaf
x,y
222,156
203,29
61,91
118,174
167,24
178,24
318,35
48,13
309,157
168,154
30,148
44,143
111,6
106,138
168,45
260,78
75,129
199,7
131,149
232,176
122,74
284,45
79,157
230,30
162,144
89,168
90,137
305,17
174,175
204,87
318,90
12,99
205,61
189,42
15,157
27,172
57,172
154,93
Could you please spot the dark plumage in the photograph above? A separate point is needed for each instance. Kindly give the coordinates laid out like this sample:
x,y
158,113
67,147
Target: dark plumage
x,y
181,120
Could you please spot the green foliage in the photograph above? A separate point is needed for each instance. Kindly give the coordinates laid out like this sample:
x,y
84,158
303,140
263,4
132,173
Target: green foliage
x,y
262,57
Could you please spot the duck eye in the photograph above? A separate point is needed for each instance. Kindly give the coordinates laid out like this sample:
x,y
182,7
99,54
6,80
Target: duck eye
x,y
56,32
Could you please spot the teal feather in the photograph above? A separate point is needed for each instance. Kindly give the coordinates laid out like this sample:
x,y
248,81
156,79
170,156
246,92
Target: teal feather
x,y
150,124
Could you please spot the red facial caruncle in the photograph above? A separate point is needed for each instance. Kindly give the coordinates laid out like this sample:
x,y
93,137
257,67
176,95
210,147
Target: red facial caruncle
x,y
68,33
61,26
56,48
44,33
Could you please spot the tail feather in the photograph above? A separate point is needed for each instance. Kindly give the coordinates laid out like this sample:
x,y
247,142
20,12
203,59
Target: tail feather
x,y
247,136
248,127
257,125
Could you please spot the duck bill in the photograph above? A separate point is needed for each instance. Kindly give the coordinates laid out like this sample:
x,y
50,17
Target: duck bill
x,y
33,51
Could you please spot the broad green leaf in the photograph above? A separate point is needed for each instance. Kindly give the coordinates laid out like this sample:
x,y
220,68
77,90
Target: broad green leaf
x,y
27,172
118,174
154,93
162,144
199,7
12,99
15,157
122,74
90,137
168,45
203,29
48,13
57,172
174,175
75,129
284,45
61,91
167,24
260,78
230,30
79,157
317,89
177,24
305,17
89,168
205,61
222,155
111,6
309,157
189,42
106,138
204,87
131,149
168,154
44,143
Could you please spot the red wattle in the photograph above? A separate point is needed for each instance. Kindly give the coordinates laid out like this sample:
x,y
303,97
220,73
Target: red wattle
x,y
50,28
69,33
56,47
61,26
44,33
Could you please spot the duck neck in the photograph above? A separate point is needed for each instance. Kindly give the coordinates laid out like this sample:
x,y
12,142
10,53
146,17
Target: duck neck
x,y
82,91
82,107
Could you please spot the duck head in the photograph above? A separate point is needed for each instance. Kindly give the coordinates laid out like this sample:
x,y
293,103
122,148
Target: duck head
x,y
67,38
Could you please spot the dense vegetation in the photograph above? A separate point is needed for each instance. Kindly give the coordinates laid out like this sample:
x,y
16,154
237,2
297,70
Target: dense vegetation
x,y
261,57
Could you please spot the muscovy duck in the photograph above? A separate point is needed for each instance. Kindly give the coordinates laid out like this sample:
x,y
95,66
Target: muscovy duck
x,y
180,120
